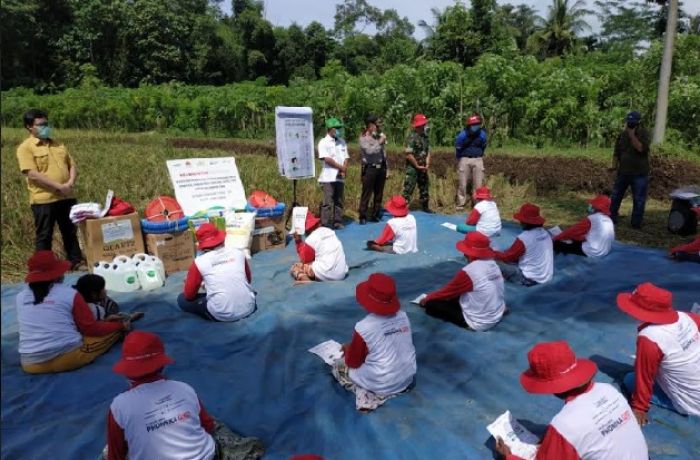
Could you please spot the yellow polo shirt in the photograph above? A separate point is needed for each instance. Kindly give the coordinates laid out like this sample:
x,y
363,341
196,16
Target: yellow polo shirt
x,y
49,158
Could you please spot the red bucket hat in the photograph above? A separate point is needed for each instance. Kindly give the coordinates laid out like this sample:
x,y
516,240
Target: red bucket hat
x,y
554,368
311,221
473,120
648,303
378,294
143,353
483,193
419,120
529,214
601,203
397,206
45,266
476,245
208,236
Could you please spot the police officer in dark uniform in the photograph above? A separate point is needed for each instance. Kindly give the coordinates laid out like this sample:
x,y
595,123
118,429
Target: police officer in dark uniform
x,y
374,168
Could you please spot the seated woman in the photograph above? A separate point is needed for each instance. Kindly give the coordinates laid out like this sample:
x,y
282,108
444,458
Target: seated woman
x,y
532,250
322,255
380,361
485,217
161,418
57,331
226,277
592,236
400,235
102,307
689,252
474,298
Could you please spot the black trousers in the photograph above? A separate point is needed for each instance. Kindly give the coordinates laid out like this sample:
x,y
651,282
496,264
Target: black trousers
x,y
686,256
48,215
373,180
575,247
447,310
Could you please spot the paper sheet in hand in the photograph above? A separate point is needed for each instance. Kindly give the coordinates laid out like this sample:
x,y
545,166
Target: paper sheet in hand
x,y
452,227
554,231
521,442
329,351
419,298
299,219
328,175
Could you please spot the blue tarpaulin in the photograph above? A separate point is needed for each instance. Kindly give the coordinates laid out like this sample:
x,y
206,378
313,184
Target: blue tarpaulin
x,y
258,377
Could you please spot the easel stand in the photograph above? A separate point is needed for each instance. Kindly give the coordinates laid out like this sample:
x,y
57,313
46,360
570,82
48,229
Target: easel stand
x,y
294,204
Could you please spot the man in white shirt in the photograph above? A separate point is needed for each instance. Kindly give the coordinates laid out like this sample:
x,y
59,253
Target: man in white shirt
x,y
333,150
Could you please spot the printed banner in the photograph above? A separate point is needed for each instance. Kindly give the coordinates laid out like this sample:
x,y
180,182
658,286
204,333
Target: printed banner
x,y
295,142
201,183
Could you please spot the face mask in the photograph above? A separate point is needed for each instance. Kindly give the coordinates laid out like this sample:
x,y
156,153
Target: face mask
x,y
475,128
339,133
632,125
591,209
43,132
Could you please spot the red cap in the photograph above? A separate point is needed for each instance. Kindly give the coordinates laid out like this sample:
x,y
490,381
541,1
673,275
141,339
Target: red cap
x,y
648,303
529,214
554,368
601,203
311,221
143,353
208,236
397,206
483,193
378,294
474,120
419,120
45,266
476,245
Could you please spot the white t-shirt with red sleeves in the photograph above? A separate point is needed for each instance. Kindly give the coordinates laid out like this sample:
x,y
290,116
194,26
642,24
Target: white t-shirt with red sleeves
x,y
405,234
161,420
391,359
329,262
48,329
600,237
600,425
678,374
537,264
489,218
484,305
229,295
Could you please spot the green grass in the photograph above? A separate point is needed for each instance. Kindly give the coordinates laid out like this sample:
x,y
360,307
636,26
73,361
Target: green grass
x,y
133,165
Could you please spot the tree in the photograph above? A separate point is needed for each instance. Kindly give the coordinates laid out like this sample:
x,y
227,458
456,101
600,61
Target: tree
x,y
665,73
559,31
521,22
625,22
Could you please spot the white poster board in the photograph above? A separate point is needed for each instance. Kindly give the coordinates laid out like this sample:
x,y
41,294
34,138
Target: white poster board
x,y
294,133
201,183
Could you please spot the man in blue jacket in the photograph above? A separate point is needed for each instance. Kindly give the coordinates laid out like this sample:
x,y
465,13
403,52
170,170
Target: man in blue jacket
x,y
470,145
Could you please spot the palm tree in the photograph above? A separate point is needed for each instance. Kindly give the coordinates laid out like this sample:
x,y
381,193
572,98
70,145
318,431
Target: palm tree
x,y
521,22
557,34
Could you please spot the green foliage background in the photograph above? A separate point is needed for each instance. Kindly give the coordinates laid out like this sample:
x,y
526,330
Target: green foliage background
x,y
570,100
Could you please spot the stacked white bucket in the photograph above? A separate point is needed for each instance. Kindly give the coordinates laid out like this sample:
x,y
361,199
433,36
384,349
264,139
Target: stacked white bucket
x,y
126,274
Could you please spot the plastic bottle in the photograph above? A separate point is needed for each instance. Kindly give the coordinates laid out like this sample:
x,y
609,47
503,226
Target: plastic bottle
x,y
149,275
125,275
104,269
141,257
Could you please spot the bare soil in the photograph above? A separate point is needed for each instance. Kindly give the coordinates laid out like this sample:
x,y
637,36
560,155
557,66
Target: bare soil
x,y
548,173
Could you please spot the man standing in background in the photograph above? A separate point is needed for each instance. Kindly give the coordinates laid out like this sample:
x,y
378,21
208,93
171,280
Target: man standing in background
x,y
470,145
631,161
418,163
333,151
51,174
374,167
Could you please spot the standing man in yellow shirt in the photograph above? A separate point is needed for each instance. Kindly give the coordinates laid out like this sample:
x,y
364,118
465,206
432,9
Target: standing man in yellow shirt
x,y
50,173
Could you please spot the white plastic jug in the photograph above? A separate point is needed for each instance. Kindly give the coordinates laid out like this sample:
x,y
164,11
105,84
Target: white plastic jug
x,y
105,270
125,275
141,257
150,271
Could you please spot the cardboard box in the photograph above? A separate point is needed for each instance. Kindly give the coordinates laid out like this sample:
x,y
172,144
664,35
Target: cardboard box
x,y
176,250
108,237
269,233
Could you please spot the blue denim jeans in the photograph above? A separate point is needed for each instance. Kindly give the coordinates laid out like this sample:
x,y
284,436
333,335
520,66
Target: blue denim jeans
x,y
512,273
639,183
198,306
658,397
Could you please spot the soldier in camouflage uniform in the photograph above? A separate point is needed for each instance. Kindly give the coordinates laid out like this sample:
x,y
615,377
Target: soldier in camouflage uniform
x,y
418,162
